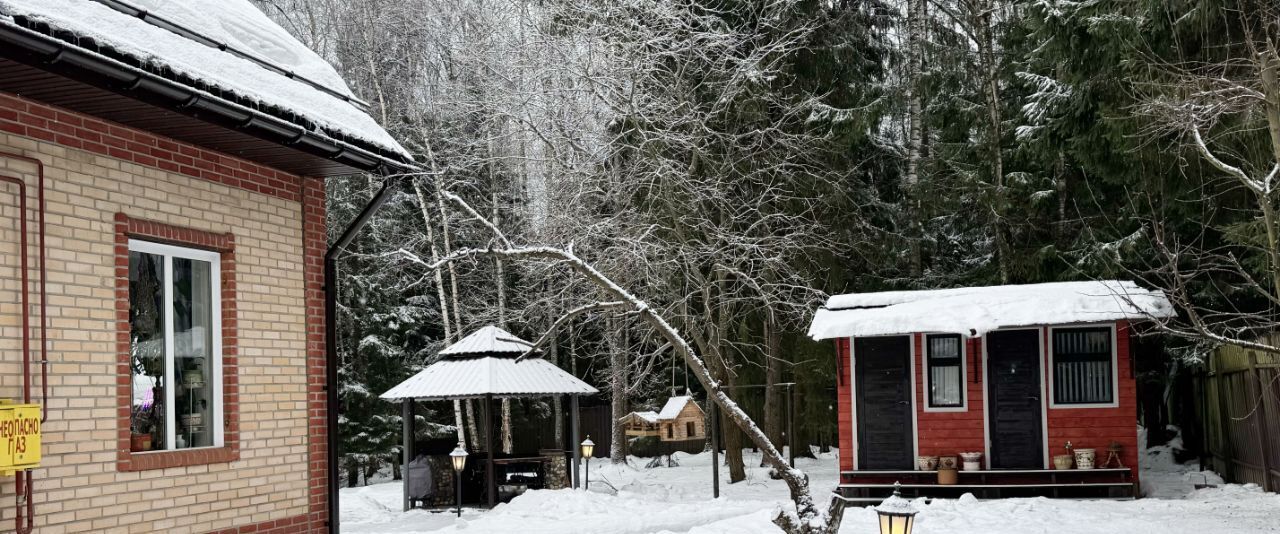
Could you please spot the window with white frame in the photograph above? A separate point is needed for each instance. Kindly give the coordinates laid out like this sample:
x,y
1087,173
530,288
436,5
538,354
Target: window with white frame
x,y
945,367
1082,366
175,324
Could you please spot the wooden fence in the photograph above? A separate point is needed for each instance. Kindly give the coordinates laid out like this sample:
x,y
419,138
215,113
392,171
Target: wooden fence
x,y
1240,412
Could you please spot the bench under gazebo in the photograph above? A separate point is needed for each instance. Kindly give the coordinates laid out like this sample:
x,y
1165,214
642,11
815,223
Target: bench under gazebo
x,y
485,366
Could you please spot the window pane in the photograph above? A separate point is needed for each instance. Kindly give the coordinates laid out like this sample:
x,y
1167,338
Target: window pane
x,y
945,380
1082,366
146,336
944,346
192,352
944,386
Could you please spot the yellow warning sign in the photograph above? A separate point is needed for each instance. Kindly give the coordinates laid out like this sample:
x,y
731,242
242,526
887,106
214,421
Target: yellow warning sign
x,y
19,437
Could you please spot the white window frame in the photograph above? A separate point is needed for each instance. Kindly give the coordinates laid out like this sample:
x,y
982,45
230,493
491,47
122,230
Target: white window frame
x,y
1115,369
169,252
964,375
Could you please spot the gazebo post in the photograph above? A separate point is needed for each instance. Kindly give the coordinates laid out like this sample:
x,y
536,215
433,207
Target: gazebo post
x,y
406,424
488,445
573,439
715,451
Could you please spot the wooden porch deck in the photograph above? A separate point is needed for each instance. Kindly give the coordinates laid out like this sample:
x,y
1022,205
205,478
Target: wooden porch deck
x,y
871,487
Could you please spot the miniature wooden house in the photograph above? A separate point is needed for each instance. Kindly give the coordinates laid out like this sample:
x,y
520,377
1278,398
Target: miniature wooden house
x,y
640,424
681,419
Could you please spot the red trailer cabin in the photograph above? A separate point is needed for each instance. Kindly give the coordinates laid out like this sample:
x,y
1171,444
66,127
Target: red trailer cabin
x,y
1012,372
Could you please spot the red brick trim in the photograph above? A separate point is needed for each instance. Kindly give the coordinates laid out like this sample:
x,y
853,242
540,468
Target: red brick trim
x,y
288,525
126,460
315,244
31,118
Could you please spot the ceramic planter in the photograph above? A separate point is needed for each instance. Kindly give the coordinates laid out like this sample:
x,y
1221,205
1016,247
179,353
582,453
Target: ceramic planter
x,y
1084,458
972,460
927,463
948,462
947,477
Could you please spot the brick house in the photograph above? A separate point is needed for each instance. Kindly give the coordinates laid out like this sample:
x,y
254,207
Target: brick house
x,y
163,163
1012,372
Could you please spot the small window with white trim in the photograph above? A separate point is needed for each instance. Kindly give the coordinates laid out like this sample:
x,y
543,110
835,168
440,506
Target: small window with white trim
x,y
946,371
175,337
1083,366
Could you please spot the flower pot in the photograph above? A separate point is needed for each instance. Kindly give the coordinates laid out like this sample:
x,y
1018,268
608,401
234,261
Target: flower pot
x,y
927,463
1062,461
948,462
1084,458
972,461
947,477
140,442
192,419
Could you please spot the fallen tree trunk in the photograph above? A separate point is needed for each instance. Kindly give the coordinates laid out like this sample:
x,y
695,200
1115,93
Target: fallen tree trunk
x,y
807,518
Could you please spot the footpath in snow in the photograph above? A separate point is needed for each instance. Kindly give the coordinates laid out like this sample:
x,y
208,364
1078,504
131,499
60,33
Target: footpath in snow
x,y
677,500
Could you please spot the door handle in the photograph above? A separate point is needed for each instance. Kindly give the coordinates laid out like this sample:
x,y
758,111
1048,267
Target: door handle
x,y
1033,398
904,403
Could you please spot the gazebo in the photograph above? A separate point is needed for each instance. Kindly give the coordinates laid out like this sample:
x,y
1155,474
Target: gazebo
x,y
485,365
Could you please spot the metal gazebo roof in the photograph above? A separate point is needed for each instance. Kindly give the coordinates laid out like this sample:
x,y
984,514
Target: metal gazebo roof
x,y
484,364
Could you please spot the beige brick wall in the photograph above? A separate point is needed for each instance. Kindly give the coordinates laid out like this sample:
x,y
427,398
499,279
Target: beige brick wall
x,y
78,488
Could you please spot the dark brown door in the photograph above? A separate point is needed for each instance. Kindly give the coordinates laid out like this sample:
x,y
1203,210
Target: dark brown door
x,y
882,366
1013,391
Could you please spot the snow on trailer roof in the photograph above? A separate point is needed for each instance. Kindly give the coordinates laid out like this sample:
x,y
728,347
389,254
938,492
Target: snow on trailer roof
x,y
239,25
973,311
495,372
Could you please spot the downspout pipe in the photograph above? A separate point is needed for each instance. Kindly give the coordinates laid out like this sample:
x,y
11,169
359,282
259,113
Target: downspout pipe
x,y
389,186
24,482
44,295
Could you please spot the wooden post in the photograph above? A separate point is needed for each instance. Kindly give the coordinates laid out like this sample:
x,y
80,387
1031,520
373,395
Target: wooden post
x,y
490,477
791,426
406,424
715,451
1260,419
573,439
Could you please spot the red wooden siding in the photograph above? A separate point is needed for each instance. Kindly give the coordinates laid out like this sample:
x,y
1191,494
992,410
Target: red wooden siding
x,y
950,433
1095,428
844,389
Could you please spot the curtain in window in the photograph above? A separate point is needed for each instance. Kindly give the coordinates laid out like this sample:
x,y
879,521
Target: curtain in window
x,y
945,381
1082,366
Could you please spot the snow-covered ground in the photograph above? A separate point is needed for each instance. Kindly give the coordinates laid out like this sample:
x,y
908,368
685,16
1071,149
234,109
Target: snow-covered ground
x,y
635,500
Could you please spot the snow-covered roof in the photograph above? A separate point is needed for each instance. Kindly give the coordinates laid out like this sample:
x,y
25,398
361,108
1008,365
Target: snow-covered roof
x,y
648,417
488,340
496,376
673,407
973,311
235,23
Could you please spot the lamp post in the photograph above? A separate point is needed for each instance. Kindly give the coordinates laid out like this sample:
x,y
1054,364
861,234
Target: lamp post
x,y
897,516
459,459
587,448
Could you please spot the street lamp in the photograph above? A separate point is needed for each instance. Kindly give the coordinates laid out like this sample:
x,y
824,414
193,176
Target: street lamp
x,y
897,516
587,448
459,459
